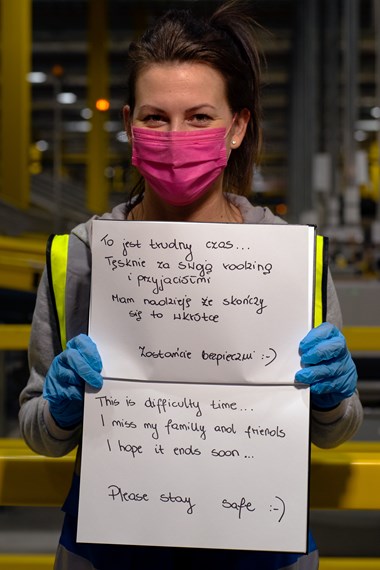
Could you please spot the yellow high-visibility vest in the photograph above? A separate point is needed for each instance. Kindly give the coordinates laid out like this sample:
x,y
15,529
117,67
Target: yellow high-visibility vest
x,y
57,254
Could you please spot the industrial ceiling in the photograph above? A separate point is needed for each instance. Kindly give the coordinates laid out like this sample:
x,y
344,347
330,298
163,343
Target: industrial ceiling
x,y
306,47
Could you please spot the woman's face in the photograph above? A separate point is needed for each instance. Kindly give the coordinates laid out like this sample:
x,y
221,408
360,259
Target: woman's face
x,y
182,97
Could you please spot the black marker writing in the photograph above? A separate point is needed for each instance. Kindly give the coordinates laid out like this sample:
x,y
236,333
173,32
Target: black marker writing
x,y
164,354
169,498
265,432
188,426
160,282
249,266
183,302
233,301
116,493
163,404
238,506
227,356
174,244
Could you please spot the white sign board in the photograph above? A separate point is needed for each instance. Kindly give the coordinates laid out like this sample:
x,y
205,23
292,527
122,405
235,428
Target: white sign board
x,y
223,303
198,437
194,465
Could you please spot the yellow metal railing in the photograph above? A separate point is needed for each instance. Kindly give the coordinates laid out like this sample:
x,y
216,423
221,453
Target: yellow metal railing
x,y
26,561
46,562
13,337
343,478
362,338
22,260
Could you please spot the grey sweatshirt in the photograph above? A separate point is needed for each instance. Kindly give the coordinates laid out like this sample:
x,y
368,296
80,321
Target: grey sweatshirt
x,y
328,428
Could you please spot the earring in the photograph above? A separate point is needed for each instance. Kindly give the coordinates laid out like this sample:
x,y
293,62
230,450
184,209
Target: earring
x,y
233,141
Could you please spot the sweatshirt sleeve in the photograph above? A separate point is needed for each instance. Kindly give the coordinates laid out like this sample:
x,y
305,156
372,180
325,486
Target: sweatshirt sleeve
x,y
330,428
37,426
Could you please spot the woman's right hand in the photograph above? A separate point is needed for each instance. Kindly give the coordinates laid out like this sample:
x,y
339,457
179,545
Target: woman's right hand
x,y
80,362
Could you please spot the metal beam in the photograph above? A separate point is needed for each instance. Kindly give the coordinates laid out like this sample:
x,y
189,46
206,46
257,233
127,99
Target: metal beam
x,y
303,123
15,48
98,88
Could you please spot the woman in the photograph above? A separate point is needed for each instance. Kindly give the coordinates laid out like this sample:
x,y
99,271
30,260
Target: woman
x,y
193,119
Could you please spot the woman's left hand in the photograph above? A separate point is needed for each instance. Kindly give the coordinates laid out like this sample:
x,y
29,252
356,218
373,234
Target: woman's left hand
x,y
327,366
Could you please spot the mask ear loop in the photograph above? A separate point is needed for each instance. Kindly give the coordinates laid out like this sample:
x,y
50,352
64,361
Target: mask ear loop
x,y
230,127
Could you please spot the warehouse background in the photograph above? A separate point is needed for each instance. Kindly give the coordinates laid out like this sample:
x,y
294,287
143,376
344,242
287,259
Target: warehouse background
x,y
64,155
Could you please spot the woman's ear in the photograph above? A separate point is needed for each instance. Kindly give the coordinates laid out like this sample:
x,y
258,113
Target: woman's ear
x,y
239,127
127,121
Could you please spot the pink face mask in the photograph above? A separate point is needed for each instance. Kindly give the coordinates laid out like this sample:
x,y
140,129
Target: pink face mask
x,y
179,166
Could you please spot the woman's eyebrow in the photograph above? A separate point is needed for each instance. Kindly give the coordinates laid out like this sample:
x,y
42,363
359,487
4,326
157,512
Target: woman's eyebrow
x,y
202,106
150,109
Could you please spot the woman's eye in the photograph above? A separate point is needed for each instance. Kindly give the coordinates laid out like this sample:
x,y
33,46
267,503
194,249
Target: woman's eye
x,y
201,118
152,119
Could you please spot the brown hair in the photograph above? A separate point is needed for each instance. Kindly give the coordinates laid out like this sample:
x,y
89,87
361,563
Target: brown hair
x,y
227,42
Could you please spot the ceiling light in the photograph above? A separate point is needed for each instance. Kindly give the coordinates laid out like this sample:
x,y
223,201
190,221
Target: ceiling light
x,y
36,77
360,136
66,98
86,113
371,125
77,126
42,145
375,112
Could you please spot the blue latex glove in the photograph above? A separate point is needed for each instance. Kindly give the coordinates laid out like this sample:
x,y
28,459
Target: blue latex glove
x,y
327,366
64,382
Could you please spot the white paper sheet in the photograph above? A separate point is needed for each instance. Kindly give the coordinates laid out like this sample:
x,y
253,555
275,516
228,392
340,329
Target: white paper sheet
x,y
194,465
219,460
223,303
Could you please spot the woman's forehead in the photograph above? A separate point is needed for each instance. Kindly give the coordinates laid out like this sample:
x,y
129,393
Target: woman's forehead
x,y
189,82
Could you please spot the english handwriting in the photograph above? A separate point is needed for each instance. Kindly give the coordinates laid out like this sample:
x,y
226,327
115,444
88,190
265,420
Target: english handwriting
x,y
265,432
162,404
169,498
225,429
219,405
225,453
152,426
116,493
107,401
187,451
187,426
127,424
239,506
133,449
